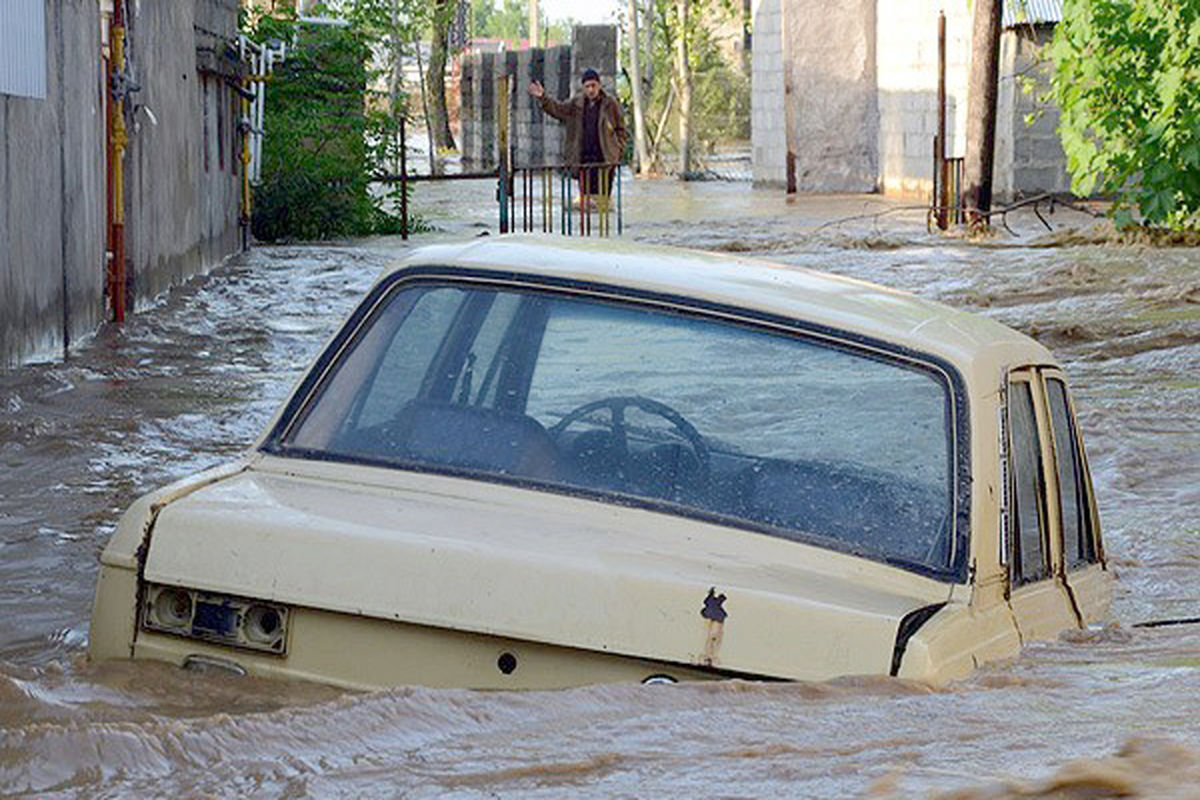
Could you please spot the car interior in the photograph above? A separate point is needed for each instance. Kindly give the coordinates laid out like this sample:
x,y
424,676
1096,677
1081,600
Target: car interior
x,y
465,409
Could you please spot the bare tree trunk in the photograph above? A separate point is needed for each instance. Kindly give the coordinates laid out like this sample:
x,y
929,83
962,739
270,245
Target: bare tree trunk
x,y
397,106
683,76
435,165
981,111
635,81
439,119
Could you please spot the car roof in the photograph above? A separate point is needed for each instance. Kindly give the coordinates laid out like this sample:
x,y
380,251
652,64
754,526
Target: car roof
x,y
969,341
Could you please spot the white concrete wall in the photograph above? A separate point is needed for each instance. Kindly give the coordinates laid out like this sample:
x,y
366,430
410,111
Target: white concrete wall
x,y
767,128
830,52
908,81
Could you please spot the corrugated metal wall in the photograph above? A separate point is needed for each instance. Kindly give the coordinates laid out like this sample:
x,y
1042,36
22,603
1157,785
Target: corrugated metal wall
x,y
23,48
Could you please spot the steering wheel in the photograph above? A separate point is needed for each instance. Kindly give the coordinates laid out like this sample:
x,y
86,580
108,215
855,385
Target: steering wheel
x,y
620,440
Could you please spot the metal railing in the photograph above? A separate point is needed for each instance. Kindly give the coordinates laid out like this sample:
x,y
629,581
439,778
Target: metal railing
x,y
948,206
598,205
534,188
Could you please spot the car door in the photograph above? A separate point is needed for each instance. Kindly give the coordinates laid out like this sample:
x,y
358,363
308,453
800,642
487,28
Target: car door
x,y
1078,521
1038,592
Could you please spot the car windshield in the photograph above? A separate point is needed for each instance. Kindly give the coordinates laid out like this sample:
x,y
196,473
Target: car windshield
x,y
773,430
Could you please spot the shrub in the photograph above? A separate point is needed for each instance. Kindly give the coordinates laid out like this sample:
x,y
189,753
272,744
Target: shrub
x,y
321,143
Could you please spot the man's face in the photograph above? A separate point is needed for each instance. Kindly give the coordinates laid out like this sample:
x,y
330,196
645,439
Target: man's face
x,y
591,89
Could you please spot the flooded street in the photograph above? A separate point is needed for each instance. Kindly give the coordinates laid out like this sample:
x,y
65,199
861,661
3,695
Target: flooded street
x,y
192,381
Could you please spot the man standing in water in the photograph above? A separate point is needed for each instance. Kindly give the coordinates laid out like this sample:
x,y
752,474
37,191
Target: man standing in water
x,y
596,134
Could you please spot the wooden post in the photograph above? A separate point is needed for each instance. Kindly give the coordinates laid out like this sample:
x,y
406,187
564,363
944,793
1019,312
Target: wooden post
x,y
535,24
981,111
505,168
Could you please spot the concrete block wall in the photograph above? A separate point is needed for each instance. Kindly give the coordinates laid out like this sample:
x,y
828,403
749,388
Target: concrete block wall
x,y
487,110
468,134
908,80
52,213
593,47
1029,157
767,124
557,81
537,139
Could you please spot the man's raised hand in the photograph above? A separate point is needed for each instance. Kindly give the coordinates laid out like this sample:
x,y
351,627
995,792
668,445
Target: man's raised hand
x,y
537,90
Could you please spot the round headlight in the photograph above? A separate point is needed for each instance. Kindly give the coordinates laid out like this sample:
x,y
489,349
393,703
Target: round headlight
x,y
172,608
263,624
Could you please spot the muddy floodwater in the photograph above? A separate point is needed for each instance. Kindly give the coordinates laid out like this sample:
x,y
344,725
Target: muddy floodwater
x,y
190,382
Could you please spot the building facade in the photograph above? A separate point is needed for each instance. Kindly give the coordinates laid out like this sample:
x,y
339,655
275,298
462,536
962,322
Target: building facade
x,y
535,138
855,85
181,166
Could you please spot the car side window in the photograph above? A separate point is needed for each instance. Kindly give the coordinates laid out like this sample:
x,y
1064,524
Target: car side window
x,y
1029,560
407,357
488,354
1079,541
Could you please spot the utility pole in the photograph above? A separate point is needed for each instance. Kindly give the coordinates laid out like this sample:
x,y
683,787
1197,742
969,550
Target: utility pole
x,y
981,111
535,27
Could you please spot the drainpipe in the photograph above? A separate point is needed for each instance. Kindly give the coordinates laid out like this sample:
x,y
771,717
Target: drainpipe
x,y
118,138
246,126
262,59
244,212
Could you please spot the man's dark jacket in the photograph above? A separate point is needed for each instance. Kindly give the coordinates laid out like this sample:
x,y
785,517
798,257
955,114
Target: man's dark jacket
x,y
613,133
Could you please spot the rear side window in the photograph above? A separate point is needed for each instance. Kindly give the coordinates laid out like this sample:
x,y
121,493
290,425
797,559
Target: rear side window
x,y
1079,541
1029,562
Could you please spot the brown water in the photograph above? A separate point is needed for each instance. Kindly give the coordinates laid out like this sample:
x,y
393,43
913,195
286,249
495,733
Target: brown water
x,y
191,381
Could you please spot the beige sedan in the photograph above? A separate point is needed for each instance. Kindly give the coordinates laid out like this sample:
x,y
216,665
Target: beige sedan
x,y
531,462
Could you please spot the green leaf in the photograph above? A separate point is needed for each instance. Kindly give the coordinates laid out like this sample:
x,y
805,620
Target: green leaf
x,y
1127,82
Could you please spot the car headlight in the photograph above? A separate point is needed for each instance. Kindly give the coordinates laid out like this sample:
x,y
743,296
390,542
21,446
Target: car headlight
x,y
212,617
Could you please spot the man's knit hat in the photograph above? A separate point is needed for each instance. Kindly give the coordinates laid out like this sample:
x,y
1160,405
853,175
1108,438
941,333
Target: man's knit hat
x,y
590,74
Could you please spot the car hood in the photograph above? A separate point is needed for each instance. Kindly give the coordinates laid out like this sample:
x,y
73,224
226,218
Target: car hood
x,y
494,559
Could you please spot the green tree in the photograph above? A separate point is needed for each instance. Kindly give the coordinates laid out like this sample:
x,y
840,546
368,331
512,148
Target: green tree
x,y
326,131
510,20
1127,78
719,108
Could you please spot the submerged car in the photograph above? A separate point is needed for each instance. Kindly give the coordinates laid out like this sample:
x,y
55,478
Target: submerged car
x,y
525,462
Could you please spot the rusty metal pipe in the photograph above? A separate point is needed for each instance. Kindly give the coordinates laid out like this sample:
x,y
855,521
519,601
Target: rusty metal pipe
x,y
118,139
